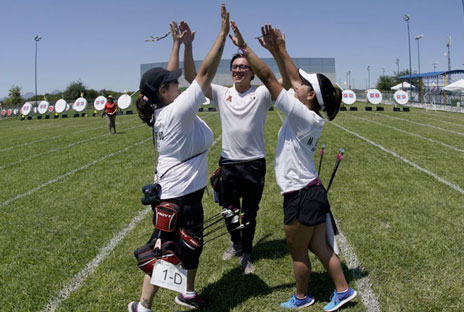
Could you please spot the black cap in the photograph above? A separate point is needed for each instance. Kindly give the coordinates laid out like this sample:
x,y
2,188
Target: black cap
x,y
153,78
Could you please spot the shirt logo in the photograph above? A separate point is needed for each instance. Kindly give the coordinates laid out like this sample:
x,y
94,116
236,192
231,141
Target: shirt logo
x,y
229,98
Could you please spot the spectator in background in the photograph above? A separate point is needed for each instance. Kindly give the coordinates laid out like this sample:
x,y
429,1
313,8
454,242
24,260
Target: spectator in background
x,y
111,108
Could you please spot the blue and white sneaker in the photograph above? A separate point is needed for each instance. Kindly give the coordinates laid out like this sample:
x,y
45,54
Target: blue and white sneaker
x,y
295,303
339,299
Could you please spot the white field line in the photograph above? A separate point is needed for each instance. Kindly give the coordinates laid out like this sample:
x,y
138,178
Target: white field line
x,y
60,149
48,138
460,117
363,283
78,280
444,121
428,172
412,134
38,188
422,124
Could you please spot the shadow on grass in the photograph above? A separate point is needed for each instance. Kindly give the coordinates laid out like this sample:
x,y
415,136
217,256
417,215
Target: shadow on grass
x,y
235,288
272,249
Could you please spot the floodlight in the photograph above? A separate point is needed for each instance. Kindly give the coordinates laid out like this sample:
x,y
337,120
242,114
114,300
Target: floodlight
x,y
406,17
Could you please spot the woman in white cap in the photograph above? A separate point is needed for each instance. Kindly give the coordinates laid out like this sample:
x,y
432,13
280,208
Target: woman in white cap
x,y
110,110
305,199
182,140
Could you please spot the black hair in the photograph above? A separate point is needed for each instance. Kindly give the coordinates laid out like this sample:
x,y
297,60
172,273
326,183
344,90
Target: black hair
x,y
240,55
145,110
331,95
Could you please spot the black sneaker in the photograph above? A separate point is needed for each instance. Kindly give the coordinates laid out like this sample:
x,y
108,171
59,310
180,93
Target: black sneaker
x,y
196,302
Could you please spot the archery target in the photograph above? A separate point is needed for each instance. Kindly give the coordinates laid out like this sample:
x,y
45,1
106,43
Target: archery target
x,y
374,96
60,106
3,112
401,97
68,107
26,109
80,104
10,112
15,111
348,97
99,103
35,110
124,101
43,107
50,108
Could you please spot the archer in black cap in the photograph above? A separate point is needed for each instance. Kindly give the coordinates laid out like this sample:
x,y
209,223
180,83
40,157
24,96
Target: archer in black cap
x,y
156,78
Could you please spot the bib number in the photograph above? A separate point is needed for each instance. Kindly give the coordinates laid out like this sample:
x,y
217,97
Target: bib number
x,y
170,276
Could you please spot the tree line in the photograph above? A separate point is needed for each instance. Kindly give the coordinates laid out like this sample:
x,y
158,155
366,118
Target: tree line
x,y
73,91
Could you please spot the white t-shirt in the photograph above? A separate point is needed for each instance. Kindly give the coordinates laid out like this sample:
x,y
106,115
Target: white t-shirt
x,y
298,138
243,116
181,134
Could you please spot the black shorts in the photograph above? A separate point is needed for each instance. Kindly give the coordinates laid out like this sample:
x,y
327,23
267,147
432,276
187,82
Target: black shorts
x,y
190,218
309,206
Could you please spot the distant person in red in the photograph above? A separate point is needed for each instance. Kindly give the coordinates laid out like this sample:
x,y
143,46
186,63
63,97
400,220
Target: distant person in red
x,y
110,110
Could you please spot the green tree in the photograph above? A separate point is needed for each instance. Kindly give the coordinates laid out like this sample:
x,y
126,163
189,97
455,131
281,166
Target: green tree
x,y
14,96
385,83
74,90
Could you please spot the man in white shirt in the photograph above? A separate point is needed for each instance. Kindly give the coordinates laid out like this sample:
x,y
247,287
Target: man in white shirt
x,y
243,110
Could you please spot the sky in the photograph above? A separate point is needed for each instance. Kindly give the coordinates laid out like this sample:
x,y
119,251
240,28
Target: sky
x,y
102,43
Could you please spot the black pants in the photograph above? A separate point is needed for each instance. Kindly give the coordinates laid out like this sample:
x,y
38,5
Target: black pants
x,y
243,181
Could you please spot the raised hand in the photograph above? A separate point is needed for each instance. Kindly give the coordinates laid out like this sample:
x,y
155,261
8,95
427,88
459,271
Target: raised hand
x,y
188,35
237,39
272,39
224,19
177,35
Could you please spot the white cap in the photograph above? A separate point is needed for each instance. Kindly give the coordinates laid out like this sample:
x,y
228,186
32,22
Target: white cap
x,y
312,79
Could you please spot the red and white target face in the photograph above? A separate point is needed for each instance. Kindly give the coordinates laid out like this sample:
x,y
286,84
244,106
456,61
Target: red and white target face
x,y
401,97
26,109
99,103
50,108
42,107
3,112
80,104
10,112
374,96
348,97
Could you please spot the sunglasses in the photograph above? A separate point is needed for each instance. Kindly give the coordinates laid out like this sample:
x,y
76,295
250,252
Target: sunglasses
x,y
241,67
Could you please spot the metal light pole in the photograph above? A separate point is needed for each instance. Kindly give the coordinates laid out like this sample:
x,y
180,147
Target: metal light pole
x,y
36,39
398,66
383,71
368,77
349,79
448,45
435,69
406,18
418,54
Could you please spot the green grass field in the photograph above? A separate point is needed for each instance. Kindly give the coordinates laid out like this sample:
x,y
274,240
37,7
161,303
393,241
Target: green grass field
x,y
71,217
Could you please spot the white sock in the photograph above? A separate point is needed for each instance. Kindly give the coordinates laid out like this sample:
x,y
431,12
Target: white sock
x,y
190,294
141,308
